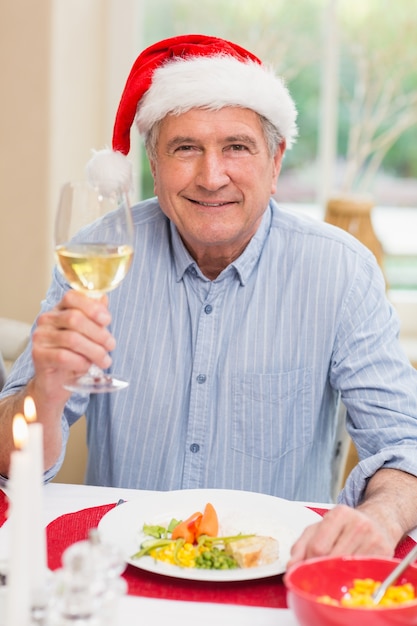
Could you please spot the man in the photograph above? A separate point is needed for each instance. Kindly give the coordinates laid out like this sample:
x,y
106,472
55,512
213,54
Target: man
x,y
238,325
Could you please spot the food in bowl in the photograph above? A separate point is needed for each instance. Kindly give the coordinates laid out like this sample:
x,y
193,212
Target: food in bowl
x,y
331,578
361,594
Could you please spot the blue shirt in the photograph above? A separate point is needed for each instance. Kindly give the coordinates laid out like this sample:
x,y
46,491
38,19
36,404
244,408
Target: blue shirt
x,y
234,382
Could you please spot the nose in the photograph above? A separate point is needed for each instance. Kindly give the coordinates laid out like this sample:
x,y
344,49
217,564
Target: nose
x,y
212,173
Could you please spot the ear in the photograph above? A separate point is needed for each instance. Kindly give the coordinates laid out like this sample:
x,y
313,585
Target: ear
x,y
277,162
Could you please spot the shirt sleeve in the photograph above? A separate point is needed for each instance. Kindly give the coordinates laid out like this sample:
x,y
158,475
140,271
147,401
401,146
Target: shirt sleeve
x,y
23,371
378,385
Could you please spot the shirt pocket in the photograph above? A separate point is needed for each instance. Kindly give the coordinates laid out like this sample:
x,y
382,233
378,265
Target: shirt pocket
x,y
271,413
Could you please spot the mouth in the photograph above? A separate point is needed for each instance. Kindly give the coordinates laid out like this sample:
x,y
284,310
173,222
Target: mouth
x,y
214,205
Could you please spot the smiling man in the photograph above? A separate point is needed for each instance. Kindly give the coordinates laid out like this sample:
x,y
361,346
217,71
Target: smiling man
x,y
239,325
204,170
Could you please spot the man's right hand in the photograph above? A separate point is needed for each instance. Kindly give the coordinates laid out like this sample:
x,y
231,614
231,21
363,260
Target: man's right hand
x,y
69,338
66,341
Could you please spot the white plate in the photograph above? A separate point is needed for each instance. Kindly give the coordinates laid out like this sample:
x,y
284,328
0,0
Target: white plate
x,y
238,512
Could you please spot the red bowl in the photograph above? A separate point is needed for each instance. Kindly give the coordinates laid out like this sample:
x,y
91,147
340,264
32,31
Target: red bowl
x,y
333,576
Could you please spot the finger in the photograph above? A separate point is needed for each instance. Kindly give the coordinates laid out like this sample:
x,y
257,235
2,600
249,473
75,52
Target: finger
x,y
94,309
357,533
68,340
344,530
323,538
72,349
299,548
74,319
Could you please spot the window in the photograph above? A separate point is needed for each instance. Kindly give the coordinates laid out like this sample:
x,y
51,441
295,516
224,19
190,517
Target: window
x,y
374,92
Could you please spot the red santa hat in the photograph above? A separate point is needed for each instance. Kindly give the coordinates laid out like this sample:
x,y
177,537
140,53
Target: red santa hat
x,y
192,71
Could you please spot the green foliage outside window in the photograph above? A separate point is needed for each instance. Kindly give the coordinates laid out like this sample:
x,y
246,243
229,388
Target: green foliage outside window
x,y
378,78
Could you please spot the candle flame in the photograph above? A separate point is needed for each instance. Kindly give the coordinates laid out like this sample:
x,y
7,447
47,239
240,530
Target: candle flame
x,y
20,431
29,409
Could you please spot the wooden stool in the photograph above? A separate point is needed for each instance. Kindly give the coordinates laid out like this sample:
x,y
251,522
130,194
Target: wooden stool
x,y
353,214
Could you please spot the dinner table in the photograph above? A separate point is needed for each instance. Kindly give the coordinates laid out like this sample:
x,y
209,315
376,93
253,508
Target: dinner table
x,y
70,511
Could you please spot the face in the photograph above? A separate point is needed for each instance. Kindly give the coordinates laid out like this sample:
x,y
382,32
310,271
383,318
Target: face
x,y
213,176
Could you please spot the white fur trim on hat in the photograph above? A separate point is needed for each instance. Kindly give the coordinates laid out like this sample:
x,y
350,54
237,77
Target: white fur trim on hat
x,y
215,82
110,172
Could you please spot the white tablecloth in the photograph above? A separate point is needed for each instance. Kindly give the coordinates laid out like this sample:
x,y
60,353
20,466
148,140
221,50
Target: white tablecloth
x,y
136,611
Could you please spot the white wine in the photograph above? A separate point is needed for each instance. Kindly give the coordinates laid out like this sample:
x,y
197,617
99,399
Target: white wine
x,y
95,261
94,267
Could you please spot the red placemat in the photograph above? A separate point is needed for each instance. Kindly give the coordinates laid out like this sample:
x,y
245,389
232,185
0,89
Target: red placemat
x,y
67,529
4,505
265,592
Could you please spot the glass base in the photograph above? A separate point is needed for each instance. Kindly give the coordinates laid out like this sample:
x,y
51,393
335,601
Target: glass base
x,y
95,384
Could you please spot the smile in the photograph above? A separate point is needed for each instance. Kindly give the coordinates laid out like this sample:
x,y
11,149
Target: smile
x,y
210,204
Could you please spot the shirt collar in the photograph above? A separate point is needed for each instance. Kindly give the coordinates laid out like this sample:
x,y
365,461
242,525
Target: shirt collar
x,y
242,266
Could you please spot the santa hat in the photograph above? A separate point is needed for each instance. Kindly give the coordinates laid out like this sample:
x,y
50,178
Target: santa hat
x,y
192,71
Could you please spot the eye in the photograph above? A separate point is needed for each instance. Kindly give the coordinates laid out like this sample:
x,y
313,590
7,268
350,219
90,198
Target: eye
x,y
186,149
238,147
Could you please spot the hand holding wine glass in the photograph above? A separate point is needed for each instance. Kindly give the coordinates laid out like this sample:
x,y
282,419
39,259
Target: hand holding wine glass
x,y
93,250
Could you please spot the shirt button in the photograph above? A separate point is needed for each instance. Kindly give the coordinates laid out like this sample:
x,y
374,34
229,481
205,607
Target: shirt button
x,y
201,378
208,309
194,447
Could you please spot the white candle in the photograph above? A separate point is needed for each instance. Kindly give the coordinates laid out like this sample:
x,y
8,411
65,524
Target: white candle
x,y
18,579
38,558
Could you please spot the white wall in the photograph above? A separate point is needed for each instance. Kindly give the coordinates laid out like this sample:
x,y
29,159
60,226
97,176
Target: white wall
x,y
24,119
63,64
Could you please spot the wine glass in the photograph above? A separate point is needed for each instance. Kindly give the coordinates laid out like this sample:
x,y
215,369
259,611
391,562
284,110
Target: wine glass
x,y
93,250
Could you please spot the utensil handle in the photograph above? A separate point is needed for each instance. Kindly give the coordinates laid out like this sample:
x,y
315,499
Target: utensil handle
x,y
402,565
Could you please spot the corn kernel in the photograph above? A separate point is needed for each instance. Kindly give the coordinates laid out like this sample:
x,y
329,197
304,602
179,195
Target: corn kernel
x,y
360,595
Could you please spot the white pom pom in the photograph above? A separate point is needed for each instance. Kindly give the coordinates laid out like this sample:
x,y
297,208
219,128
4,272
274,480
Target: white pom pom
x,y
109,171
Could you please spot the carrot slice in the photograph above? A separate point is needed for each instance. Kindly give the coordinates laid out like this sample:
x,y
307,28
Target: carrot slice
x,y
209,523
187,529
